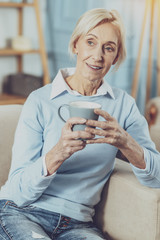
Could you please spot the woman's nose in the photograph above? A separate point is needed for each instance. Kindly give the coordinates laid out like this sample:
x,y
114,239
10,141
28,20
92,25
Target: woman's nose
x,y
98,54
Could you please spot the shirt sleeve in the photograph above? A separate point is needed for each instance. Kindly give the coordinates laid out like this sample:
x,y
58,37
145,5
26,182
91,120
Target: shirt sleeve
x,y
27,180
137,126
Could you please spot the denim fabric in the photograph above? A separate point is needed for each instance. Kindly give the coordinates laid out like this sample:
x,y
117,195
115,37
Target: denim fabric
x,y
30,222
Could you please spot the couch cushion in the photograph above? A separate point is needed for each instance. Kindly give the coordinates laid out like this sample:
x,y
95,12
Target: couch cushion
x,y
128,210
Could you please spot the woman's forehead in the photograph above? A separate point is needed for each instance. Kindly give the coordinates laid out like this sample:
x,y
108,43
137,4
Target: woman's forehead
x,y
104,31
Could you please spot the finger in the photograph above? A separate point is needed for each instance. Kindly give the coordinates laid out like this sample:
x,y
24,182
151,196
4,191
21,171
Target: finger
x,y
97,140
75,135
99,124
75,149
73,143
98,132
74,120
82,135
103,114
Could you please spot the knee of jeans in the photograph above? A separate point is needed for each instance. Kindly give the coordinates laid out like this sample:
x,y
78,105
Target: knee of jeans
x,y
37,235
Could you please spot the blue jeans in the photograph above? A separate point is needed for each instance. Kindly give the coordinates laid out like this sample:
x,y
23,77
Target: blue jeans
x,y
30,222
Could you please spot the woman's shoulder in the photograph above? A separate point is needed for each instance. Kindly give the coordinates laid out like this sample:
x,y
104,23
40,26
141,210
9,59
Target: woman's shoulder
x,y
38,97
122,95
41,93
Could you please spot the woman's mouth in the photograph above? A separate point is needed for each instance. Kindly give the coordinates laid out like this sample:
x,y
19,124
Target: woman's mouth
x,y
94,67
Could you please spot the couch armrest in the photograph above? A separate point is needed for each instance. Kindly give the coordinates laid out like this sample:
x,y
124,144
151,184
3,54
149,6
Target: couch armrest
x,y
128,210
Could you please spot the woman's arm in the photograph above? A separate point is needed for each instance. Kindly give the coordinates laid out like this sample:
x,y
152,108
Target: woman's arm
x,y
26,180
133,141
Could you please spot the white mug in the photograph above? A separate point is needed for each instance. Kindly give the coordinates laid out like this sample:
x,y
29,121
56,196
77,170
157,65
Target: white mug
x,y
81,109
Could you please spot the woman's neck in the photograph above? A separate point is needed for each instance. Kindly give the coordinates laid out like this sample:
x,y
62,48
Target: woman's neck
x,y
83,87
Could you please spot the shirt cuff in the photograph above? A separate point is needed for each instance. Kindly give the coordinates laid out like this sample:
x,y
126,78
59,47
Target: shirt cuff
x,y
147,169
44,170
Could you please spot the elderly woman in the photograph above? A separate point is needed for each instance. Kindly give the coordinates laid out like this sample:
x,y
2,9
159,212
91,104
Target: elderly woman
x,y
56,178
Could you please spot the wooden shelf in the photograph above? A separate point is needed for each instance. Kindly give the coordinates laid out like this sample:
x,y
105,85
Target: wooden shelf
x,y
12,99
6,99
9,52
15,5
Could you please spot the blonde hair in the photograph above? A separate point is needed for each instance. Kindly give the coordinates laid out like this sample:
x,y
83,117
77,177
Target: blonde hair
x,y
93,18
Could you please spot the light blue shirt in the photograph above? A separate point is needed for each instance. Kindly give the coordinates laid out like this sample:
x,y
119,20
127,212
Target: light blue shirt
x,y
76,187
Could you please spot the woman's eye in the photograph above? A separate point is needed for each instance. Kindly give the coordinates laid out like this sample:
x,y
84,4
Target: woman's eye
x,y
109,49
90,43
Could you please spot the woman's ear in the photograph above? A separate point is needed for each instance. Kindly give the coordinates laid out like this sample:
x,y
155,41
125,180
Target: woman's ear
x,y
75,47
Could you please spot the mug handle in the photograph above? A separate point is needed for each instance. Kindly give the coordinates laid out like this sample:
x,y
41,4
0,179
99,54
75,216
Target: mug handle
x,y
59,111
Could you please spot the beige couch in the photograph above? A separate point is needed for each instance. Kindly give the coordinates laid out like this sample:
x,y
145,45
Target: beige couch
x,y
128,211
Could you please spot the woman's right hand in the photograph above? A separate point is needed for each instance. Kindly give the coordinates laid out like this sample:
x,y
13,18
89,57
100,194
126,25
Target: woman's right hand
x,y
68,144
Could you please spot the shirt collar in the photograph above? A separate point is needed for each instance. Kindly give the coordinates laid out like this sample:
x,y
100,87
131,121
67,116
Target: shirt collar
x,y
59,85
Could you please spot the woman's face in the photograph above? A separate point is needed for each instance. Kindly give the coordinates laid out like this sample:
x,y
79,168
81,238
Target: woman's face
x,y
96,52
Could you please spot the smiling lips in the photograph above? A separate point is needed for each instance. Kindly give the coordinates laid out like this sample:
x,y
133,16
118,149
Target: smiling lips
x,y
94,67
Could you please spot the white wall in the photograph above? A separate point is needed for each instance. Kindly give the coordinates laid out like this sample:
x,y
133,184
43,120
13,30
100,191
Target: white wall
x,y
8,29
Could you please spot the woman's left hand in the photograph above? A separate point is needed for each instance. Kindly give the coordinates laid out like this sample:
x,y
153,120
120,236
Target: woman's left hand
x,y
112,133
109,130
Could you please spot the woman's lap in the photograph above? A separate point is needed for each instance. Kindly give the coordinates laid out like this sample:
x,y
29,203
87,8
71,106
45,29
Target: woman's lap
x,y
34,223
16,223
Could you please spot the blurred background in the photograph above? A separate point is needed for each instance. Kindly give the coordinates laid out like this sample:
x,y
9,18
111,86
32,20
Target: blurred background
x,y
58,18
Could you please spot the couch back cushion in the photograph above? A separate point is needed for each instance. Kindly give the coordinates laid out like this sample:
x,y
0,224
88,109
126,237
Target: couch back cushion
x,y
9,115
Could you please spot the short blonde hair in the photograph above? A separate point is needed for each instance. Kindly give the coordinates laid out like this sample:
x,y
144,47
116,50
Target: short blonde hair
x,y
93,18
